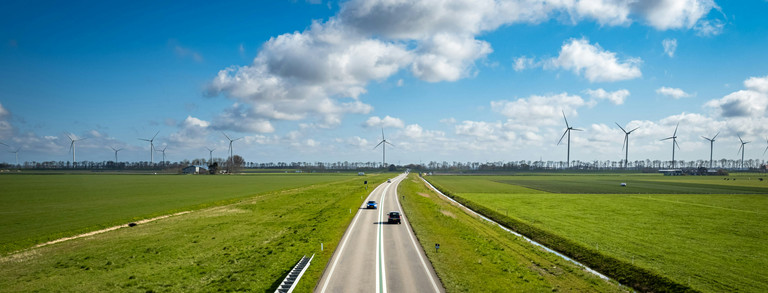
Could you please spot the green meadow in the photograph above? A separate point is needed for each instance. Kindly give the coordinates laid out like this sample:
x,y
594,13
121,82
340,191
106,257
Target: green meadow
x,y
703,232
39,208
476,256
247,245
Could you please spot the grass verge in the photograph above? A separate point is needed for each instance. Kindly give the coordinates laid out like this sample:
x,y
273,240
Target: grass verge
x,y
476,256
246,246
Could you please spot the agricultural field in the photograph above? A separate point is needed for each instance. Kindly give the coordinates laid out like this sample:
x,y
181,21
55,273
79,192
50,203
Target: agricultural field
x,y
476,256
248,245
704,232
41,208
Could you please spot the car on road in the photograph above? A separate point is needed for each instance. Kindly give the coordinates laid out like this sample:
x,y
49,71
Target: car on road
x,y
389,181
371,204
394,217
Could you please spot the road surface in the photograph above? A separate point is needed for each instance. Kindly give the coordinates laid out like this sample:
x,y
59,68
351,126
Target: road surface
x,y
378,257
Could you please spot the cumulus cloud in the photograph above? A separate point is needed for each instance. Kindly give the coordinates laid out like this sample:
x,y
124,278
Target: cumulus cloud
x,y
670,45
522,63
6,129
674,93
239,118
707,28
544,110
596,64
321,72
616,97
751,102
387,121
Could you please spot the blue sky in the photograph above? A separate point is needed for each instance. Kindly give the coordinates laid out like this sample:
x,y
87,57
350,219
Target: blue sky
x,y
447,80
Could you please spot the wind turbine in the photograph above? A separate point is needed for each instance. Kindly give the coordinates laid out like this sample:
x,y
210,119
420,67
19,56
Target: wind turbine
x,y
3,144
383,143
766,148
568,132
163,151
116,150
151,147
741,149
711,147
626,143
231,159
16,152
72,148
674,143
210,154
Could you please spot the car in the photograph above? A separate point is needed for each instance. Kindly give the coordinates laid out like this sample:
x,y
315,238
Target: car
x,y
389,181
371,204
394,217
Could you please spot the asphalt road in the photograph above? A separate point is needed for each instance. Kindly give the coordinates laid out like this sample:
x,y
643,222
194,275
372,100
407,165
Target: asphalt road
x,y
378,257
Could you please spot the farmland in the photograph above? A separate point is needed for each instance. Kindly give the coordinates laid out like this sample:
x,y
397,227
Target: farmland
x,y
40,208
248,245
704,232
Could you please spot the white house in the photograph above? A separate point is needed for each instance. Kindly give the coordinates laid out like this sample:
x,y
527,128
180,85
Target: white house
x,y
196,169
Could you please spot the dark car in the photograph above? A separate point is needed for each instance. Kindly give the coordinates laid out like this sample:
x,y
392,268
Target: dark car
x,y
394,217
370,205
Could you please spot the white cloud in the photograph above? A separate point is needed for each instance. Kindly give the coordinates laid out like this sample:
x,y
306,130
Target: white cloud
x,y
596,64
447,57
6,129
674,14
707,28
522,63
670,45
239,118
479,129
674,93
539,110
387,121
751,102
616,97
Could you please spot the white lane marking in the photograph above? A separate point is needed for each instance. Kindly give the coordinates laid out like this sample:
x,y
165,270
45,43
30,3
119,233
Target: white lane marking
x,y
417,247
381,274
343,244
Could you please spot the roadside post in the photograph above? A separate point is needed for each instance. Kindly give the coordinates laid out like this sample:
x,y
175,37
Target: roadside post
x,y
437,246
366,184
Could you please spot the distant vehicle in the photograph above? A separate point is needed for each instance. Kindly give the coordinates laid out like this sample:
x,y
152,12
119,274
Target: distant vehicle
x,y
371,205
389,181
394,217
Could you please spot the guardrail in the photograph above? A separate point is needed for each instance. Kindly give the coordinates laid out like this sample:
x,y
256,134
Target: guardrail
x,y
290,281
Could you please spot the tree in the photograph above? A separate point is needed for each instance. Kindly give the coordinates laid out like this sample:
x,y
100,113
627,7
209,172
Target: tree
x,y
237,163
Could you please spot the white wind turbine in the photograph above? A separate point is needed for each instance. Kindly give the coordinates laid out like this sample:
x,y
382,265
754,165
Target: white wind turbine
x,y
383,143
16,152
626,143
231,159
151,147
72,147
210,155
116,150
711,146
568,129
741,149
674,143
163,151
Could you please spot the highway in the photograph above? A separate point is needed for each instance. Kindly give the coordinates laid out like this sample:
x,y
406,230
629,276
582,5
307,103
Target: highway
x,y
374,256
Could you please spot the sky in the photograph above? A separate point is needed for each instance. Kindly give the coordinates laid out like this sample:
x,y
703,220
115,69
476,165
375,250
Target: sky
x,y
446,80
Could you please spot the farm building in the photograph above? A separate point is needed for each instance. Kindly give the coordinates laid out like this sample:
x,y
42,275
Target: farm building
x,y
195,169
671,172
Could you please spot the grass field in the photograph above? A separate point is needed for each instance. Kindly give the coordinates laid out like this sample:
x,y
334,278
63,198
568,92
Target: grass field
x,y
476,256
249,245
40,208
712,242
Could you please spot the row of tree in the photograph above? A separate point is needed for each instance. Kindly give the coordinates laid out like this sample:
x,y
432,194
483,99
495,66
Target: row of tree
x,y
237,162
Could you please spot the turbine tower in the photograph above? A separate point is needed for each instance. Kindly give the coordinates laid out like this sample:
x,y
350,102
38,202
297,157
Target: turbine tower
x,y
674,143
116,150
626,143
163,151
231,159
16,152
741,149
72,148
383,143
711,147
568,129
210,154
151,147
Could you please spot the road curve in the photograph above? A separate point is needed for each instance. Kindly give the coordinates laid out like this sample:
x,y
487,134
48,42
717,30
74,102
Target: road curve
x,y
374,256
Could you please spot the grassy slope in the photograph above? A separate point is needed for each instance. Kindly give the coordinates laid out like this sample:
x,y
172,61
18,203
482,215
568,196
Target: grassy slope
x,y
715,241
39,208
246,246
479,257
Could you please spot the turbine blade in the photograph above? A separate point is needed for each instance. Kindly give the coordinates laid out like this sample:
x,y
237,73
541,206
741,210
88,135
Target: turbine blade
x,y
766,150
675,134
566,119
576,129
238,139
561,138
225,135
388,143
667,138
382,133
378,144
718,133
633,130
677,144
625,141
742,142
153,137
704,137
622,128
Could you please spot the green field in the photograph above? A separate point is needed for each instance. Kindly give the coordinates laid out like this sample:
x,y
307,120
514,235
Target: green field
x,y
712,242
476,256
40,208
249,245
